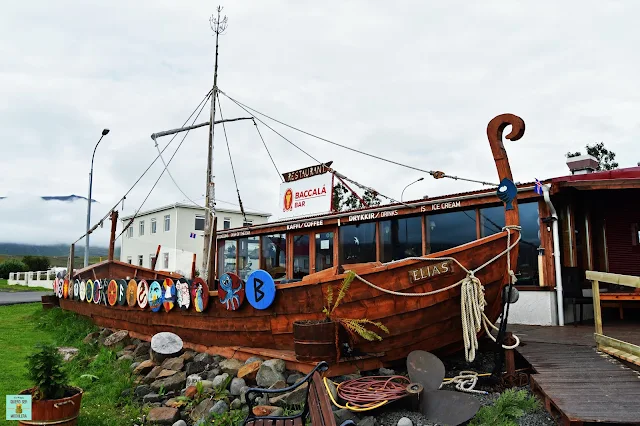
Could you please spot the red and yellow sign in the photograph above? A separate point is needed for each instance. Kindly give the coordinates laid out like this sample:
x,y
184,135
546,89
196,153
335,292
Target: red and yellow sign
x,y
287,202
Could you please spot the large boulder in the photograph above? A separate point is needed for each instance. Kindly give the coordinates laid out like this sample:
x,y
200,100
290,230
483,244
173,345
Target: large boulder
x,y
195,367
163,416
165,345
175,382
276,364
230,366
269,373
297,396
118,338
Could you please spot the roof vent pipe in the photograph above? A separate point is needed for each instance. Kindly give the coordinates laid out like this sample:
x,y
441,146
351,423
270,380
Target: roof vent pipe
x,y
582,164
556,253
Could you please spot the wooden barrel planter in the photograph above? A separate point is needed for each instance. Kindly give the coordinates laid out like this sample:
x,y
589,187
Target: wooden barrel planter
x,y
49,301
59,412
316,341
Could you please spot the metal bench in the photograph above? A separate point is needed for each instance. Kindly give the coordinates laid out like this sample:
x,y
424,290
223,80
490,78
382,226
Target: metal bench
x,y
316,406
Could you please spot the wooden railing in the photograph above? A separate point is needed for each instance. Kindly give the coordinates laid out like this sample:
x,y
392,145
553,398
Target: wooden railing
x,y
618,348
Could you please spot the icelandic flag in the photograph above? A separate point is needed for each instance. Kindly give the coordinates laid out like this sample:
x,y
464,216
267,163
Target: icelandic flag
x,y
538,187
192,235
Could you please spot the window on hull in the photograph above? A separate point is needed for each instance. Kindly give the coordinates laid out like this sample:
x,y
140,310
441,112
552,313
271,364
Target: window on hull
x,y
324,250
447,230
527,270
358,243
400,238
248,258
274,255
300,256
227,258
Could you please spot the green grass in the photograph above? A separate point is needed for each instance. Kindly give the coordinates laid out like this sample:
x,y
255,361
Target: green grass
x,y
4,286
58,261
25,325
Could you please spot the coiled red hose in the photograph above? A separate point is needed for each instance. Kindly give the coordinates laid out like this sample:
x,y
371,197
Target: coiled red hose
x,y
367,391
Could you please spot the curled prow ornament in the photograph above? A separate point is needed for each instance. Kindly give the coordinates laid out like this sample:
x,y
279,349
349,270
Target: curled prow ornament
x,y
495,130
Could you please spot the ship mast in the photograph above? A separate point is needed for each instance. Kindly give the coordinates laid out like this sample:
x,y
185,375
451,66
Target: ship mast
x,y
218,25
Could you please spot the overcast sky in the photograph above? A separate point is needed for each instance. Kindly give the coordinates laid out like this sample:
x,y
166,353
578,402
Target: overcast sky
x,y
416,82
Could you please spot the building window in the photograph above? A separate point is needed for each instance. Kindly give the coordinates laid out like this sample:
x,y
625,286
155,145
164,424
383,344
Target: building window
x,y
167,223
491,220
130,232
248,258
129,261
300,256
199,225
324,250
527,270
358,243
274,255
151,257
400,238
140,260
227,257
141,227
153,226
449,230
247,223
227,223
165,260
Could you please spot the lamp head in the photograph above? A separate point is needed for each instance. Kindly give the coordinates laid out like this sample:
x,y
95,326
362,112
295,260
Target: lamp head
x,y
422,178
105,132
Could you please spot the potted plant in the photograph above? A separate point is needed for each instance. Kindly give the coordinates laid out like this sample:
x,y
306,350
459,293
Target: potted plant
x,y
53,400
319,340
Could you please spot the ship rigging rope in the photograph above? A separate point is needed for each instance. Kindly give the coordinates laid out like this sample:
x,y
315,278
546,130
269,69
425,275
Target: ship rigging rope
x,y
472,300
233,170
436,174
203,101
166,166
265,147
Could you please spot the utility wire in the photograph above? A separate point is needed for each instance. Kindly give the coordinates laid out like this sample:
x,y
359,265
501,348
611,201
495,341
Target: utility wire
x,y
435,174
143,173
265,147
233,170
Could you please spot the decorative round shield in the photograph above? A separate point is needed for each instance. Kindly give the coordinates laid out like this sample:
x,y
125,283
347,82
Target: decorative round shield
x,y
142,294
103,292
82,290
199,294
89,291
65,288
231,291
97,291
155,296
112,292
76,289
55,286
132,289
169,294
260,290
122,292
183,295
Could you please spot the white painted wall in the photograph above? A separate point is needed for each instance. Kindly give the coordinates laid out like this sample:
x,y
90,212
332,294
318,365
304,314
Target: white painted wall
x,y
176,244
539,308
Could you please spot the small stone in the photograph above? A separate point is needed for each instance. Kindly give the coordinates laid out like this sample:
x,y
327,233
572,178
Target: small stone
x,y
218,381
165,345
155,405
230,366
165,373
265,410
243,394
294,378
195,367
134,365
136,342
236,404
118,338
236,385
180,423
253,359
104,333
297,396
280,384
203,357
267,375
201,409
175,382
163,416
367,421
220,407
207,384
142,390
332,389
144,367
91,338
123,352
173,364
193,380
343,414
68,353
187,356
211,374
127,358
249,371
151,397
125,393
142,349
386,372
405,421
191,391
152,375
172,402
276,364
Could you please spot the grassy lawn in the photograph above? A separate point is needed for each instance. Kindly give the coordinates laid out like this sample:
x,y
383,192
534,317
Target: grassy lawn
x,y
25,325
12,288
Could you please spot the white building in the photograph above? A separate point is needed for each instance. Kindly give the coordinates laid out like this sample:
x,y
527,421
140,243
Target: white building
x,y
179,230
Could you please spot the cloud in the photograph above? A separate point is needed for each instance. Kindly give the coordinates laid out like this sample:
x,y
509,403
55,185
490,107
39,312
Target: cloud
x,y
415,82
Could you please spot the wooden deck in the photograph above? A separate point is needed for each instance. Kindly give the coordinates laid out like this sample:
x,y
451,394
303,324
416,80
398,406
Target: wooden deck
x,y
575,381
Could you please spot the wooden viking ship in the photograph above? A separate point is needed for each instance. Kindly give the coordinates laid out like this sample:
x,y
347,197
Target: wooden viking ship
x,y
382,292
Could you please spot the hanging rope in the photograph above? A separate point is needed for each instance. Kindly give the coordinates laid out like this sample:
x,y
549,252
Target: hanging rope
x,y
472,300
233,170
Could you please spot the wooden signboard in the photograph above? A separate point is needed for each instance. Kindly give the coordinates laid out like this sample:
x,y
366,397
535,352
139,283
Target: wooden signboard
x,y
307,172
431,271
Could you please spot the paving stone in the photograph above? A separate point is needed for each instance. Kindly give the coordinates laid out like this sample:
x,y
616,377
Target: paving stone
x,y
163,416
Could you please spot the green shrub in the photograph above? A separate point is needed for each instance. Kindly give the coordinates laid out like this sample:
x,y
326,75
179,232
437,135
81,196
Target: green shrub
x,y
9,266
36,263
45,370
509,407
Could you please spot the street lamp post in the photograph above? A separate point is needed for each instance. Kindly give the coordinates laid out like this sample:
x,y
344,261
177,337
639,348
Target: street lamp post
x,y
86,244
415,181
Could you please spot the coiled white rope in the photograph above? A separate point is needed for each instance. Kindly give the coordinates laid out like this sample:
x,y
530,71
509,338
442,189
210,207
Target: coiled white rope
x,y
465,382
472,300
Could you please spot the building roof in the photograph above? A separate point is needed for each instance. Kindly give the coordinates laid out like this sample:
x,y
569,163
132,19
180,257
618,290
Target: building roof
x,y
608,179
191,206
